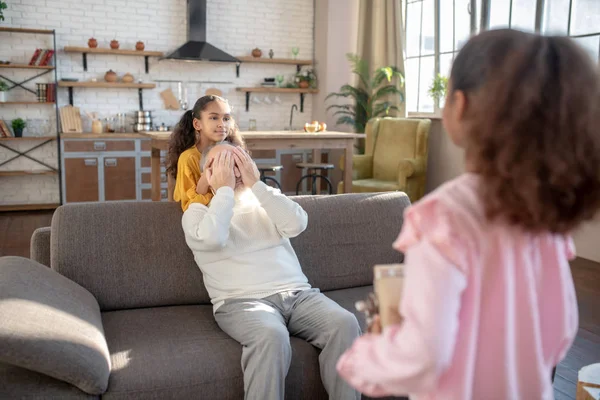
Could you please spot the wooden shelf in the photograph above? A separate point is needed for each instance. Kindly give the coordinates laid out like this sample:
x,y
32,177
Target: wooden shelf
x,y
84,51
28,138
29,207
98,50
89,135
25,66
26,102
107,85
30,172
25,30
262,89
289,61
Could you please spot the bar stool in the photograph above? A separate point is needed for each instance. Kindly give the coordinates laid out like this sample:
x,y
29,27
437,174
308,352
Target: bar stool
x,y
313,168
262,168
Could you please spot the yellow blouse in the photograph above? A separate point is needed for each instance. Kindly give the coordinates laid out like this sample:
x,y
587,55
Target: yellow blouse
x,y
188,173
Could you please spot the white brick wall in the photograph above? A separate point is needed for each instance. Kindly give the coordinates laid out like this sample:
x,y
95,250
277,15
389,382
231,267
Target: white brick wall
x,y
235,26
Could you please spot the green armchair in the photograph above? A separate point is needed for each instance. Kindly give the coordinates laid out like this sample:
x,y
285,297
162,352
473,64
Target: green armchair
x,y
395,158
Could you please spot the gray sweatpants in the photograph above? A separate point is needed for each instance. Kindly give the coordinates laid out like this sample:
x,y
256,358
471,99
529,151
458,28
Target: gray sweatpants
x,y
263,328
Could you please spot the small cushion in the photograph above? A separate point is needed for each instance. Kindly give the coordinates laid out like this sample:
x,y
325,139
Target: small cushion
x,y
51,325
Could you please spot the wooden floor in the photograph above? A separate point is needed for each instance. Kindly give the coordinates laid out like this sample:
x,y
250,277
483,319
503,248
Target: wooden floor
x,y
16,229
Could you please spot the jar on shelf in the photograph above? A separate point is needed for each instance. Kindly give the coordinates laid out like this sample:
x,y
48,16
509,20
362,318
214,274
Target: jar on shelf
x,y
109,125
96,126
121,125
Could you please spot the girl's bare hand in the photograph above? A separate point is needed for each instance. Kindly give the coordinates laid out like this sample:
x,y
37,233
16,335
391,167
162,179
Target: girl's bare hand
x,y
375,325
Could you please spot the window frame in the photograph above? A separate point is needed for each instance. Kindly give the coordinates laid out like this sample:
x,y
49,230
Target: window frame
x,y
436,53
539,19
481,25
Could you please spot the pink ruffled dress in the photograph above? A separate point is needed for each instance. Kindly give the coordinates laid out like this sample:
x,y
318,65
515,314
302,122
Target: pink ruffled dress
x,y
488,309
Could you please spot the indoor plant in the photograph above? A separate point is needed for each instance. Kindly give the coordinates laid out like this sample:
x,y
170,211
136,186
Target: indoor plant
x,y
374,97
18,125
438,87
306,79
3,90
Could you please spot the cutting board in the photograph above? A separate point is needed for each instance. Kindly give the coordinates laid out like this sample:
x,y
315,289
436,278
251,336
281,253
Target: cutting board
x,y
70,119
214,92
169,99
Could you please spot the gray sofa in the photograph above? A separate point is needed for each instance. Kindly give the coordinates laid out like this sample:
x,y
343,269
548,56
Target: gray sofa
x,y
155,313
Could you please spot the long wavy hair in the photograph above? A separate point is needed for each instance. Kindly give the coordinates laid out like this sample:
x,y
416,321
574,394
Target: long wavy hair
x,y
533,116
185,135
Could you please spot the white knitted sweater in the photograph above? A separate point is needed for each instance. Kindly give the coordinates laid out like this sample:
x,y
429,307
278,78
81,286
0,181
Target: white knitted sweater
x,y
241,243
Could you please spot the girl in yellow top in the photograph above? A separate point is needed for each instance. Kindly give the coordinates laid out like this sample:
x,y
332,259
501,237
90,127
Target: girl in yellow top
x,y
209,122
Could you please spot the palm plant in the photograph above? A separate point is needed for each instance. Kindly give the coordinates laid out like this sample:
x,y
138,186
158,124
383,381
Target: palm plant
x,y
374,97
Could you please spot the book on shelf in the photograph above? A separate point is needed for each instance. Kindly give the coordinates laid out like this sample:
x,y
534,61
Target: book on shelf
x,y
42,57
36,55
46,92
4,130
46,58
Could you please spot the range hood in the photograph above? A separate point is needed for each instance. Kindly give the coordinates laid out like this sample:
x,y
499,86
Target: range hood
x,y
196,48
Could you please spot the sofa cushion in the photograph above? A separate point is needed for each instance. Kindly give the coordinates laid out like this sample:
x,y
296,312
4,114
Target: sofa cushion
x,y
51,325
348,234
21,383
171,352
127,254
347,298
178,352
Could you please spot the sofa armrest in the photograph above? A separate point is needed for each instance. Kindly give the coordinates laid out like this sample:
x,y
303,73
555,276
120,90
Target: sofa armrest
x,y
39,249
410,167
51,325
362,166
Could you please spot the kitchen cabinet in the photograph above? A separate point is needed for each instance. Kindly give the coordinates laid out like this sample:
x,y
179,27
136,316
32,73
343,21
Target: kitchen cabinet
x,y
119,178
107,168
81,177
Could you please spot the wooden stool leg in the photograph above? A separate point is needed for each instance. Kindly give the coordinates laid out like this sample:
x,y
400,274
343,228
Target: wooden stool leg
x,y
316,154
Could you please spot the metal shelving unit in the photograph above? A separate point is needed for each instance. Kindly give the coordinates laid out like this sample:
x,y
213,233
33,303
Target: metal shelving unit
x,y
5,142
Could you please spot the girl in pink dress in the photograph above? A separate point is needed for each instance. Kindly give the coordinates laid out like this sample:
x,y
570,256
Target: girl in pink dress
x,y
488,301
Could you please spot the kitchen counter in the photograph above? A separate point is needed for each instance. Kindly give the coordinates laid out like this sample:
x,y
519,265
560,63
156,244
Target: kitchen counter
x,y
271,135
126,135
268,140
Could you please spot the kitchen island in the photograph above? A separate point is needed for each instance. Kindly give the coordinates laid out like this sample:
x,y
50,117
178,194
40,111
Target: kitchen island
x,y
267,140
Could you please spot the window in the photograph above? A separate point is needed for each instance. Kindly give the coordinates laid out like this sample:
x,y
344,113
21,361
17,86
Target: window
x,y
436,30
514,14
579,19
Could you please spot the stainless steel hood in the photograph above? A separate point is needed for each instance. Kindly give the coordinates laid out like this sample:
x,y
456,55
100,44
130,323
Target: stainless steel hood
x,y
197,48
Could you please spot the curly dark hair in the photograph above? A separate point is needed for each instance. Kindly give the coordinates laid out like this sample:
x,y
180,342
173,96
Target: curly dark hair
x,y
184,135
533,118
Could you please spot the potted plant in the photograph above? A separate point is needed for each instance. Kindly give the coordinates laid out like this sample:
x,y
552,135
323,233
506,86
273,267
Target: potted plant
x,y
306,79
3,90
375,96
18,125
3,7
438,87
